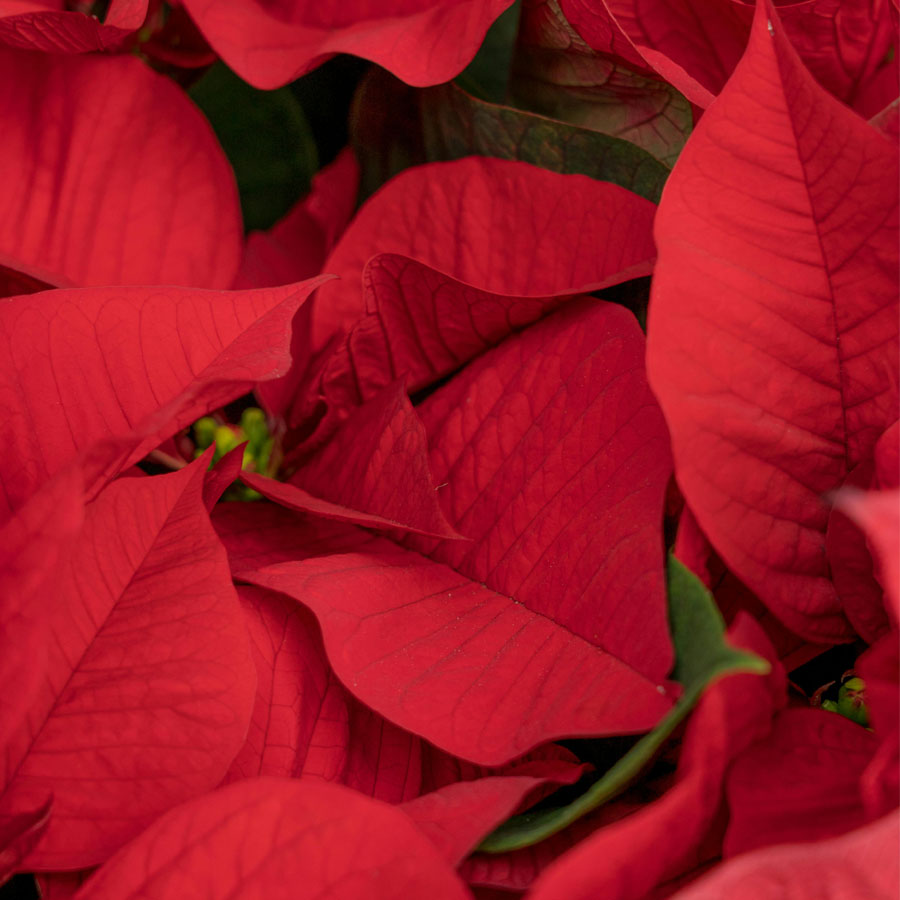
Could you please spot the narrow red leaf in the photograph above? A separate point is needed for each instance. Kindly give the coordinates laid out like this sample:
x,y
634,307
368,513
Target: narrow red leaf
x,y
261,534
377,462
859,865
473,672
269,44
140,708
777,372
280,839
224,473
87,365
801,783
556,461
41,26
120,180
464,218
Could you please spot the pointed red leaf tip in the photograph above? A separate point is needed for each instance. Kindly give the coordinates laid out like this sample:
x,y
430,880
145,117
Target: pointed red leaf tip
x,y
625,859
19,834
800,783
465,219
81,366
773,321
44,26
119,177
270,43
859,865
224,473
150,685
473,672
34,545
692,44
456,817
556,459
278,839
377,462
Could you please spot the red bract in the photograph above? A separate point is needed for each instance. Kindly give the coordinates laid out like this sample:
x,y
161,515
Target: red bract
x,y
860,865
270,43
777,371
35,25
274,838
119,178
138,709
87,365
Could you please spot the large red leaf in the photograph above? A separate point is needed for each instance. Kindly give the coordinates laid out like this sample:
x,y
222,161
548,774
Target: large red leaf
x,y
777,371
271,43
119,178
150,684
473,672
801,783
860,865
86,365
33,547
44,26
556,460
278,839
465,219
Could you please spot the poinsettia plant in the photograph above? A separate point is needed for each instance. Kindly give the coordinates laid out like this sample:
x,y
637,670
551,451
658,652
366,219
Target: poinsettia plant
x,y
450,449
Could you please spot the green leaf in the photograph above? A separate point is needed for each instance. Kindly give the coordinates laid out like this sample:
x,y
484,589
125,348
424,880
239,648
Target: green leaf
x,y
556,74
487,76
265,137
456,124
702,656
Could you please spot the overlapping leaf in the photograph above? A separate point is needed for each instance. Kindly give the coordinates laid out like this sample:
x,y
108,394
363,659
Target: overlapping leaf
x,y
119,180
269,44
561,521
86,365
773,322
149,687
48,27
465,220
268,837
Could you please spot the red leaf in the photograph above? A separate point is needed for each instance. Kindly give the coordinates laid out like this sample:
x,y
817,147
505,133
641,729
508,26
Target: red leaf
x,y
140,709
625,859
556,460
465,218
887,458
87,365
19,834
262,534
799,784
61,885
41,27
597,26
859,865
448,659
119,179
269,44
224,473
377,462
34,546
456,817
279,839
878,512
777,372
